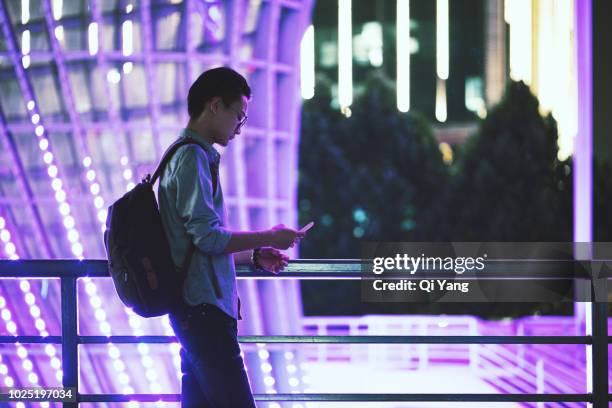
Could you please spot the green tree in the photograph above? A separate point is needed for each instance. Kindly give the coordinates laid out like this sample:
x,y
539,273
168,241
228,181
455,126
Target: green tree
x,y
508,184
378,175
374,175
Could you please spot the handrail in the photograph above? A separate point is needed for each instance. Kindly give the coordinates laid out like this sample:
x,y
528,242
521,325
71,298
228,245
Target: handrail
x,y
68,271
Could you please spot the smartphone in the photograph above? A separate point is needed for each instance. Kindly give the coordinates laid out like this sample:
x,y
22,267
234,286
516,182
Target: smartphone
x,y
307,227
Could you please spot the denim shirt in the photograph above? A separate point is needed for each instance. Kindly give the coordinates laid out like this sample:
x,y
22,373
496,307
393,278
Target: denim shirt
x,y
189,212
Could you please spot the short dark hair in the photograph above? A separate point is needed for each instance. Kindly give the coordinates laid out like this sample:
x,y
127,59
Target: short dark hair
x,y
223,82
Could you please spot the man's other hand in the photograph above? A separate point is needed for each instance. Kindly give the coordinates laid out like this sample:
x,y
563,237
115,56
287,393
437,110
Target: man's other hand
x,y
272,260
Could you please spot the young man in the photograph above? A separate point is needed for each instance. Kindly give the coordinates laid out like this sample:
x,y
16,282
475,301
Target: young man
x,y
193,212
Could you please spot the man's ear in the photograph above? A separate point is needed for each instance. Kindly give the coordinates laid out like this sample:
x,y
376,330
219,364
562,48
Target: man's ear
x,y
214,104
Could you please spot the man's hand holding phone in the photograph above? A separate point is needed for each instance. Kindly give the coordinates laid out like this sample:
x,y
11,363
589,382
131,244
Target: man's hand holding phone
x,y
281,237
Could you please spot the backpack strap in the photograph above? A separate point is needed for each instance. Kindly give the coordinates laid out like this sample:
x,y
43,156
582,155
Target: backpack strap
x,y
214,172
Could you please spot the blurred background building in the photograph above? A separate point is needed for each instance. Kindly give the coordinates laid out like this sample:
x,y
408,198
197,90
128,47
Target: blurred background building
x,y
449,60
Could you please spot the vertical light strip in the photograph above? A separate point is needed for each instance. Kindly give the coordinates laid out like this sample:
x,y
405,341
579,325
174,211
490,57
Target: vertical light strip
x,y
519,17
442,58
92,32
127,38
307,63
57,7
25,42
583,155
25,11
442,39
441,112
25,48
548,72
345,54
566,109
403,55
556,78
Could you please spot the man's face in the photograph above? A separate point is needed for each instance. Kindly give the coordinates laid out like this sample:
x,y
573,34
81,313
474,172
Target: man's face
x,y
230,119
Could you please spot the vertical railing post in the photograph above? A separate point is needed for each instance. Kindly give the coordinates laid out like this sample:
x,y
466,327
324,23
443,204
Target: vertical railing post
x,y
600,342
69,337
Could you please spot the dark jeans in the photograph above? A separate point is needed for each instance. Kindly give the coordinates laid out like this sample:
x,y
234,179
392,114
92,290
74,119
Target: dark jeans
x,y
213,370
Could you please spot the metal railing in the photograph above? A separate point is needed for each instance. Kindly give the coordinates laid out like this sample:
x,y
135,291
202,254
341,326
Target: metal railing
x,y
68,271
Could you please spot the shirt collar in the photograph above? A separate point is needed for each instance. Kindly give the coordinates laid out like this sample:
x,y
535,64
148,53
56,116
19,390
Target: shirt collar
x,y
205,144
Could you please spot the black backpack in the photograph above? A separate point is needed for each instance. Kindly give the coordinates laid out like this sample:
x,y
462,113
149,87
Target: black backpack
x,y
137,249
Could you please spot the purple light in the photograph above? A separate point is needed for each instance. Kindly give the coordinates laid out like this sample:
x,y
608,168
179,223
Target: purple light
x,y
102,215
60,196
48,157
99,202
39,323
24,81
73,235
34,311
77,249
52,171
64,209
9,247
29,298
583,154
69,222
43,144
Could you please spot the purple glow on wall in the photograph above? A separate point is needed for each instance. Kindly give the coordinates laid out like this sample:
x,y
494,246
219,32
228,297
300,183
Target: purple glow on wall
x,y
39,130
583,155
583,152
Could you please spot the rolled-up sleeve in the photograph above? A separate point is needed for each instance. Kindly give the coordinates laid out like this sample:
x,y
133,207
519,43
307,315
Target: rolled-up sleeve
x,y
195,203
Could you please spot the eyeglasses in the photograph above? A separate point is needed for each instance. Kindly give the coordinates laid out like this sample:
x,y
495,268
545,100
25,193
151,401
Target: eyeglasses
x,y
242,121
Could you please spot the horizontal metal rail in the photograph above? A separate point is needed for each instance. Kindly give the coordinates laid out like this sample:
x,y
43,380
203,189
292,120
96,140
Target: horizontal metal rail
x,y
336,269
359,397
321,339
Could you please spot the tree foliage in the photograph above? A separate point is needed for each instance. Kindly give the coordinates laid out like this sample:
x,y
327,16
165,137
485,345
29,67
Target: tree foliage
x,y
378,175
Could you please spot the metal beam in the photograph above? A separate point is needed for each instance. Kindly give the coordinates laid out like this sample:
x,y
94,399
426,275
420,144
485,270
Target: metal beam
x,y
22,180
68,97
6,135
114,111
151,77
